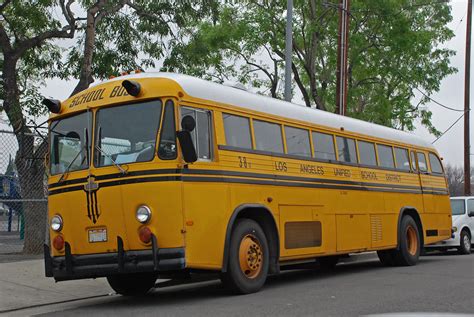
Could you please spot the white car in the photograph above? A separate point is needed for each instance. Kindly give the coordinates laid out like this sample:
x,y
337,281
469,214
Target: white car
x,y
462,209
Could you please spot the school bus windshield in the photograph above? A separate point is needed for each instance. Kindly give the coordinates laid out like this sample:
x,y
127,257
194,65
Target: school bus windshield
x,y
127,134
123,134
68,143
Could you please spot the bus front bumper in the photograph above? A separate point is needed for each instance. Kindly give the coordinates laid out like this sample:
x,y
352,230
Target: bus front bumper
x,y
72,267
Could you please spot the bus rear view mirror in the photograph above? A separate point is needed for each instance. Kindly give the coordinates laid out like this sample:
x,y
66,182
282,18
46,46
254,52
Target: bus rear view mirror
x,y
187,146
188,123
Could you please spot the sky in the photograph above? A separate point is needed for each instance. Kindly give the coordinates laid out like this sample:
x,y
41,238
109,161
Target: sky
x,y
451,94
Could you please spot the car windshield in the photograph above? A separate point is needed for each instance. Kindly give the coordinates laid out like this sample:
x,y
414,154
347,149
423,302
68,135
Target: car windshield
x,y
127,134
69,137
457,206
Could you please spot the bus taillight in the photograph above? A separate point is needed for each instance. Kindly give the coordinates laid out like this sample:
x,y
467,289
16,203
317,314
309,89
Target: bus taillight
x,y
145,234
58,242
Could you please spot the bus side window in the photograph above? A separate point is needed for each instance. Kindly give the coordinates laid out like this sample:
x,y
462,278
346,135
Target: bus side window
x,y
268,136
297,141
346,149
324,146
237,131
414,167
435,164
422,162
402,159
202,132
367,153
385,156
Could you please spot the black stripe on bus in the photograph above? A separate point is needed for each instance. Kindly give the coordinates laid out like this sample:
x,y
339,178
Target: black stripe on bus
x,y
252,175
294,178
116,175
316,183
68,182
312,159
257,175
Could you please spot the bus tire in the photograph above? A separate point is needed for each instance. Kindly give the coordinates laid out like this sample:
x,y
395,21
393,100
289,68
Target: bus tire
x,y
249,258
136,284
465,242
408,251
327,263
386,257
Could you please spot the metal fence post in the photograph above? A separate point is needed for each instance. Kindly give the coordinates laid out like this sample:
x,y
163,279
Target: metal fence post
x,y
10,216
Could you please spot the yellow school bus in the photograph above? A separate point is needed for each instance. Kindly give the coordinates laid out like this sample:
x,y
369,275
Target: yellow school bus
x,y
163,174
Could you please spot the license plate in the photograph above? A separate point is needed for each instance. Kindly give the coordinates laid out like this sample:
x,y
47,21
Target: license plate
x,y
98,235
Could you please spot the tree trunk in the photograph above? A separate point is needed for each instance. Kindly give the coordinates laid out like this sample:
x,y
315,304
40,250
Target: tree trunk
x,y
85,78
30,165
31,172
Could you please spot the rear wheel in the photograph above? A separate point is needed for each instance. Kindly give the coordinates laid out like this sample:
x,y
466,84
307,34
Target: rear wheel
x,y
409,248
132,284
465,245
248,264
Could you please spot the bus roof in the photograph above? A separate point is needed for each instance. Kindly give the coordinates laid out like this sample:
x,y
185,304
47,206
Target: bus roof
x,y
207,90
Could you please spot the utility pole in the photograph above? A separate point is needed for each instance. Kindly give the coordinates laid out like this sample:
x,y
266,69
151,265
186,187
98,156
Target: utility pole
x,y
467,80
288,49
342,47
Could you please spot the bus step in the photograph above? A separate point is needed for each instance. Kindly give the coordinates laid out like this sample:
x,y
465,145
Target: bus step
x,y
190,279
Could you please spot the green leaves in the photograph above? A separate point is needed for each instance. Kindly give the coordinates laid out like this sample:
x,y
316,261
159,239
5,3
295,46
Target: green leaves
x,y
394,50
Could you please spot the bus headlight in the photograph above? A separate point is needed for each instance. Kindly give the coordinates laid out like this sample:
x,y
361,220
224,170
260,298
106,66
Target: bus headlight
x,y
56,223
455,229
143,214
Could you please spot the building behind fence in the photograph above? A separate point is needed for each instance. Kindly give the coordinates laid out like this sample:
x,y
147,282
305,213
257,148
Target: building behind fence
x,y
12,201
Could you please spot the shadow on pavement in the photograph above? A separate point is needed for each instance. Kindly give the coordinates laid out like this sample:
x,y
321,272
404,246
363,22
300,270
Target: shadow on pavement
x,y
452,252
214,290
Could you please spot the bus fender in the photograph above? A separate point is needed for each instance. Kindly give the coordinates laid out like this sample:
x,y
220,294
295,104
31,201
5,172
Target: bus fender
x,y
412,211
272,236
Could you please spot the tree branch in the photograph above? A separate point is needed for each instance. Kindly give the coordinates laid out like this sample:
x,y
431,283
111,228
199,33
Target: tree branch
x,y
4,5
5,44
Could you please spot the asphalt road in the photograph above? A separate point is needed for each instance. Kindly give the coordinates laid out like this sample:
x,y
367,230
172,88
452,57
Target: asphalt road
x,y
439,283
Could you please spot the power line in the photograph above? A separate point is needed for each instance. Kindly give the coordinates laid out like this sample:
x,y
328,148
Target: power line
x,y
436,102
460,21
452,125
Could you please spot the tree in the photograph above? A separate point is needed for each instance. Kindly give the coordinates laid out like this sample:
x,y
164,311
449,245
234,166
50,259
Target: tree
x,y
394,52
25,30
113,35
455,178
128,35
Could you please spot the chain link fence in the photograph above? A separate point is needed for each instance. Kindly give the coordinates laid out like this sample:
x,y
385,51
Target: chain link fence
x,y
23,201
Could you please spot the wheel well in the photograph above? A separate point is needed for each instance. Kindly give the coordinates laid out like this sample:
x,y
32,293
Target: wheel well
x,y
468,231
264,218
410,211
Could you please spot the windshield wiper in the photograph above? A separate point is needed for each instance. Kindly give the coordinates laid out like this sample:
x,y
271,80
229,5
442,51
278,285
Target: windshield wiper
x,y
97,147
85,147
122,170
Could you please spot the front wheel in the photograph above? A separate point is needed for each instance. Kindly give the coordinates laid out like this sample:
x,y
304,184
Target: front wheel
x,y
248,263
465,246
132,284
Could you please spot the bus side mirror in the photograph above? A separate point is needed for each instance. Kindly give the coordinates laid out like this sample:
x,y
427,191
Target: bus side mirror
x,y
188,123
471,213
186,142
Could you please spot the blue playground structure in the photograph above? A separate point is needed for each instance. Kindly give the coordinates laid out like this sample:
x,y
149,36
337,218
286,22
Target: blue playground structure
x,y
10,196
